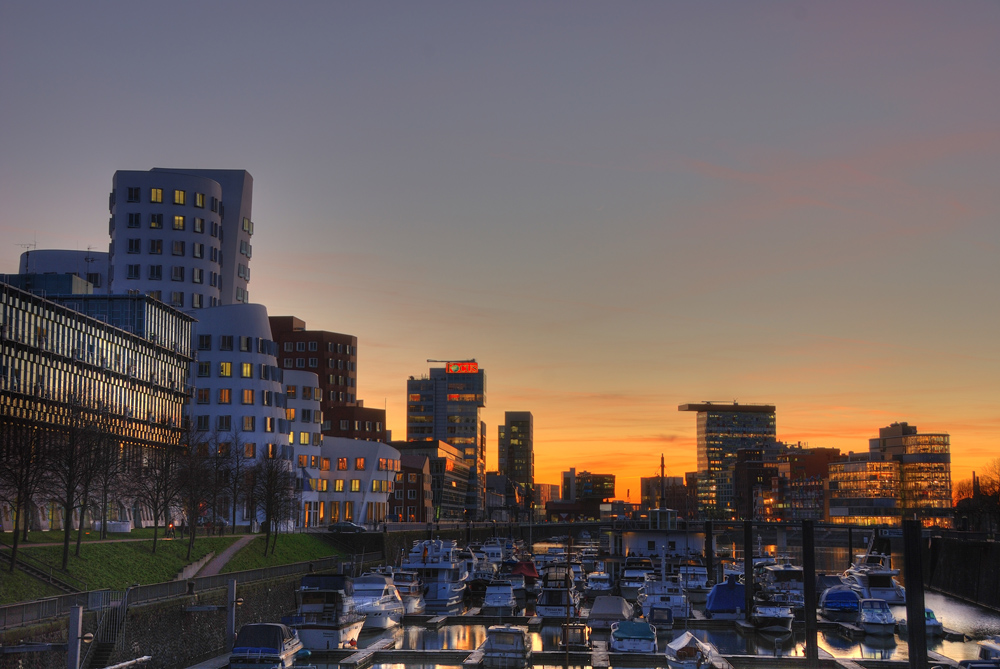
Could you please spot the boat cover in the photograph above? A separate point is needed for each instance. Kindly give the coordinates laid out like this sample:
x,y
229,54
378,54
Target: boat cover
x,y
687,640
526,568
726,597
263,637
634,629
610,607
840,597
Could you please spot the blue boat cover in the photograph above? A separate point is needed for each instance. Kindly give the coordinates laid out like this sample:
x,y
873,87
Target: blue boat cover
x,y
634,629
726,597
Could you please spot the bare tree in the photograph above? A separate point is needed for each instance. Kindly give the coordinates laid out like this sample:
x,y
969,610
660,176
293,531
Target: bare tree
x,y
274,490
156,484
67,458
194,480
21,472
989,477
108,469
238,464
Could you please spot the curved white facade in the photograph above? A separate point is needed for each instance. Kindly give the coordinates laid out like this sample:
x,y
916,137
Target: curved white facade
x,y
238,393
182,236
362,476
90,266
312,470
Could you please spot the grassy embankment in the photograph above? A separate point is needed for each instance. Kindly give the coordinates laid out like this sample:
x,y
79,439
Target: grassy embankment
x,y
121,563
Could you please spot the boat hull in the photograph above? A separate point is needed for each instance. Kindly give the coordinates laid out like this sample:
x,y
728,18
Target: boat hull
x,y
319,636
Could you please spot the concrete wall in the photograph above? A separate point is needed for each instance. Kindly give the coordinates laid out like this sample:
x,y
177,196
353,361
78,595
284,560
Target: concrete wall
x,y
969,570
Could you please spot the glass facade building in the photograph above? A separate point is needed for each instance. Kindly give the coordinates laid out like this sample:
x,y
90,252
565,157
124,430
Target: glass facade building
x,y
445,405
516,451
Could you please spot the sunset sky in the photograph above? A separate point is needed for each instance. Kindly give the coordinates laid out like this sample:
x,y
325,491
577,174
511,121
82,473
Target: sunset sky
x,y
616,208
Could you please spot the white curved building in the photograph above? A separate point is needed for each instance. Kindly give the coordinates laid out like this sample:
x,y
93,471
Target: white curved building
x,y
363,474
182,236
238,397
312,470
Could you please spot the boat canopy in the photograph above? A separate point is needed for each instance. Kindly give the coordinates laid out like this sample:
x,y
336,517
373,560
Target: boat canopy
x,y
634,629
687,641
726,597
840,597
610,607
262,637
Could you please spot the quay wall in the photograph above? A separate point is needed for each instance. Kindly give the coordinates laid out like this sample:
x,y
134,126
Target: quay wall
x,y
968,570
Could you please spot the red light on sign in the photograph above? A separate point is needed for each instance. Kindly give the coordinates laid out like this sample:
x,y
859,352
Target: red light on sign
x,y
462,368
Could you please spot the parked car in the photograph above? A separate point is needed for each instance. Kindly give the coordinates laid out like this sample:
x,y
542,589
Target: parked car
x,y
346,526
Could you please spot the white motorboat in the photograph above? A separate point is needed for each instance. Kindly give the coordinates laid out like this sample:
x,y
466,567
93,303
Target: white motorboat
x,y
633,636
989,648
499,599
688,652
265,645
377,598
694,579
876,618
772,618
444,576
873,576
932,625
326,618
635,574
598,583
411,589
506,647
665,593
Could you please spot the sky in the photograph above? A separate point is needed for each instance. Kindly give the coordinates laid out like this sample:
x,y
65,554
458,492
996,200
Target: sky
x,y
616,208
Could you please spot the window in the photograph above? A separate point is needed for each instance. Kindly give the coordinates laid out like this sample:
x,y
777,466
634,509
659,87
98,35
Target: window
x,y
324,464
155,272
246,344
247,226
249,450
197,250
345,424
155,294
134,194
411,478
197,301
225,395
204,369
203,396
306,415
199,200
355,485
198,225
248,423
177,299
156,195
290,414
225,423
303,438
178,222
359,464
156,246
300,363
204,342
313,362
176,273
201,423
268,424
179,197
246,370
226,343
291,391
248,396
197,275
156,221
135,246
134,220
338,485
225,369
303,461
411,494
341,464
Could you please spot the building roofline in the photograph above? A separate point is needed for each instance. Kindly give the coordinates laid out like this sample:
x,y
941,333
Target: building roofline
x,y
721,407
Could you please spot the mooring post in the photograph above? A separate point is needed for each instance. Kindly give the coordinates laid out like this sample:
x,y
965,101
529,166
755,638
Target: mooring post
x,y
809,574
709,551
747,568
916,628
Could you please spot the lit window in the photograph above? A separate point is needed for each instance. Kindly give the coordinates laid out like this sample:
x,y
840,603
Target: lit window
x,y
249,450
156,195
156,221
248,396
338,485
359,464
355,485
303,438
291,391
248,423
179,197
246,370
342,464
303,460
225,395
225,369
178,222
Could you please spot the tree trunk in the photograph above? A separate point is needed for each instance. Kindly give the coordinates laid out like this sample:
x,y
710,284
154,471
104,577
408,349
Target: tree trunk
x,y
67,528
17,530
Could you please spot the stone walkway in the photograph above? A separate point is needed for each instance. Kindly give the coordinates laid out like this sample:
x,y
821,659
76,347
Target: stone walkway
x,y
219,561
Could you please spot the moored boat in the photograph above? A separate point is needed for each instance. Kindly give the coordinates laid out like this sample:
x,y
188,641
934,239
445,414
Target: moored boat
x,y
443,573
688,652
772,618
325,617
377,598
727,600
608,609
506,646
411,590
499,599
268,645
633,636
840,604
876,618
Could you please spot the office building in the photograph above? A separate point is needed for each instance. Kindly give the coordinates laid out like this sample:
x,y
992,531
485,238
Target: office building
x,y
516,451
449,475
413,498
334,358
303,417
113,364
182,236
723,429
362,481
445,405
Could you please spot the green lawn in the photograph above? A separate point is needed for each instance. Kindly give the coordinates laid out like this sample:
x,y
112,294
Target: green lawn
x,y
291,548
120,564
19,587
56,536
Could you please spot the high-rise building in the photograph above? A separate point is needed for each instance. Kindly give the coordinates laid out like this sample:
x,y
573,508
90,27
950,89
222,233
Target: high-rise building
x,y
723,429
334,358
445,405
182,236
516,451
